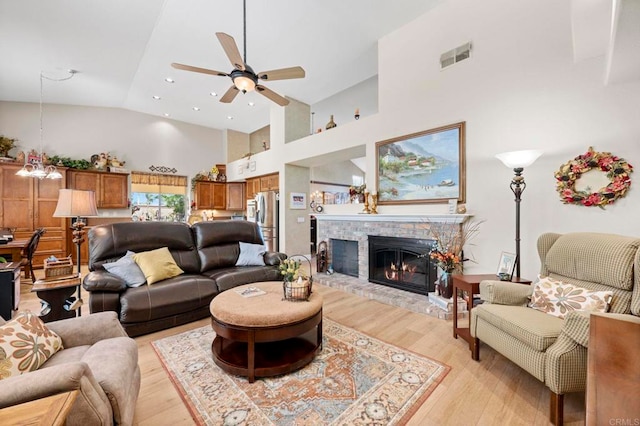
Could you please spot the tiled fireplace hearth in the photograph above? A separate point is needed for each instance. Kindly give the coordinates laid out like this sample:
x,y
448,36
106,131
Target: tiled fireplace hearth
x,y
359,227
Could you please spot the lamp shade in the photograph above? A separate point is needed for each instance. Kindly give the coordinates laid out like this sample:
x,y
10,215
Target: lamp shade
x,y
519,159
74,203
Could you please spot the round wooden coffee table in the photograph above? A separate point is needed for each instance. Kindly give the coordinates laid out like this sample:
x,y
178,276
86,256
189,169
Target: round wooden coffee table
x,y
263,335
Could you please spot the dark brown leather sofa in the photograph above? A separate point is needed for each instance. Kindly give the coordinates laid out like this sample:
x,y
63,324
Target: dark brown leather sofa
x,y
206,252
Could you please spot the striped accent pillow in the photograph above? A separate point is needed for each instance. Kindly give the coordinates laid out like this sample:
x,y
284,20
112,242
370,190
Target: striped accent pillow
x,y
558,299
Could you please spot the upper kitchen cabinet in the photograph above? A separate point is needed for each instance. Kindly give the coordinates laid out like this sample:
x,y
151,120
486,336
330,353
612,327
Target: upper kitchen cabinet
x,y
112,189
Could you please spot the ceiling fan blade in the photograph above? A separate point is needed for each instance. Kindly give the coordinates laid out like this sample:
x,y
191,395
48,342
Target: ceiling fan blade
x,y
272,95
282,74
231,49
200,70
229,95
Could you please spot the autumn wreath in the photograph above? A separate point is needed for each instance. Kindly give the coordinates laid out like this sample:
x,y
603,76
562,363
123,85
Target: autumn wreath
x,y
617,170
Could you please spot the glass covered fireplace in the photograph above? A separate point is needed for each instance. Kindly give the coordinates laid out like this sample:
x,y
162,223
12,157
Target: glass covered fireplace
x,y
402,263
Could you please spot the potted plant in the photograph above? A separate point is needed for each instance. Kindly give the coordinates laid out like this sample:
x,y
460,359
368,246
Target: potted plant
x,y
6,145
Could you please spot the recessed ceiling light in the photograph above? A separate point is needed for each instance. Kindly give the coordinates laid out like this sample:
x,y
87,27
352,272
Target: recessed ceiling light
x,y
213,94
166,114
169,80
157,98
229,117
252,104
196,109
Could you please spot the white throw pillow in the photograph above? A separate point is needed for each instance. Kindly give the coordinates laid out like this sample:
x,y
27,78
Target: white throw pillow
x,y
556,298
251,254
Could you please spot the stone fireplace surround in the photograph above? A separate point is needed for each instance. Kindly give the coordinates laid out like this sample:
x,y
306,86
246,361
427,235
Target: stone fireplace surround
x,y
359,226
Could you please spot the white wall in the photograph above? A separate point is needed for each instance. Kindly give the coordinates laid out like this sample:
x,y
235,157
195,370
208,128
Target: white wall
x,y
362,96
139,139
521,89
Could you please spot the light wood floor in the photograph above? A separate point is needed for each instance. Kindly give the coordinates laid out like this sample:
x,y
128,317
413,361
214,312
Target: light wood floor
x,y
493,391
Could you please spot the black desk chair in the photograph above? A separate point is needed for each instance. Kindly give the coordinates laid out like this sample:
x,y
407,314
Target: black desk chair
x,y
29,251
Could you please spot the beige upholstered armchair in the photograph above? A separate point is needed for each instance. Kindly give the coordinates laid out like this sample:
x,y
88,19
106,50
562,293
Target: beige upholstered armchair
x,y
98,359
553,349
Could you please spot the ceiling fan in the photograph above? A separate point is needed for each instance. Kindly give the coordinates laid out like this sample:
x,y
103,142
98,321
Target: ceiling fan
x,y
243,77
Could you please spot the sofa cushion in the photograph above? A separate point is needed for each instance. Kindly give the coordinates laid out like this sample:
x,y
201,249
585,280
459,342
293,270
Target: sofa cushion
x,y
555,298
593,257
25,344
157,265
110,242
73,354
534,328
227,278
127,269
165,298
217,241
251,254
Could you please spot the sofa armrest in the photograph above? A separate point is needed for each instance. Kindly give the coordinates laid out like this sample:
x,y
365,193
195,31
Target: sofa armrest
x,y
576,327
46,382
273,258
88,329
103,281
505,293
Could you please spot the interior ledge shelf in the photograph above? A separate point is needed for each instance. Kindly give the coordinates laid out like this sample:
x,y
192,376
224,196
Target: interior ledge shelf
x,y
409,218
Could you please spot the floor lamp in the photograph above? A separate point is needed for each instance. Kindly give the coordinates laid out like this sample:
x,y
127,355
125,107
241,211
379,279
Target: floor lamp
x,y
76,204
518,160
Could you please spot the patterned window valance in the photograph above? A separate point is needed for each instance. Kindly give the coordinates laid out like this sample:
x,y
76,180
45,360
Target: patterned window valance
x,y
146,178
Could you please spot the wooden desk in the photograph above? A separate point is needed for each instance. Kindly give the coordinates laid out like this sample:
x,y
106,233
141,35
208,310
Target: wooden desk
x,y
471,285
14,249
52,410
55,293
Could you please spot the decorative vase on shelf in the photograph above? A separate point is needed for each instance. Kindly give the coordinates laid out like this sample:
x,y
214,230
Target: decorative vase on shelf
x,y
444,284
331,124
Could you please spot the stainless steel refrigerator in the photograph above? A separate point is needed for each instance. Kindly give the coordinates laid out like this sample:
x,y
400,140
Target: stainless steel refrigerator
x,y
268,218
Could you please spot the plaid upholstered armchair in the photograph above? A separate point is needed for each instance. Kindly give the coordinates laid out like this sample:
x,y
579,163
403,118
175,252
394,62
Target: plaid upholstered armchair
x,y
544,328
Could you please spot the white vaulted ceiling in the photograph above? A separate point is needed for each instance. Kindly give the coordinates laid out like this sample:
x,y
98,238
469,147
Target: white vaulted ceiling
x,y
123,50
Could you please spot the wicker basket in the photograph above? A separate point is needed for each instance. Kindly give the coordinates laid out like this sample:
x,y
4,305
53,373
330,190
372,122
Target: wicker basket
x,y
57,269
298,291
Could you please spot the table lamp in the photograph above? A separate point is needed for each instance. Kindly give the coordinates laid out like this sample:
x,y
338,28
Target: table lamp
x,y
75,203
518,160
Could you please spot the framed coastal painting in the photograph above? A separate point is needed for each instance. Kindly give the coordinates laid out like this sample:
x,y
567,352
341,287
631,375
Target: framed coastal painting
x,y
423,167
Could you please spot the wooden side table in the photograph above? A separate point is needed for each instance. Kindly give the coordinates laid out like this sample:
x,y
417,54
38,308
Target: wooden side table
x,y
471,285
52,410
56,293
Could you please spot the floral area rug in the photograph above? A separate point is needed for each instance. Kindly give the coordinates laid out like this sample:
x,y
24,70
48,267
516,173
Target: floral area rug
x,y
356,379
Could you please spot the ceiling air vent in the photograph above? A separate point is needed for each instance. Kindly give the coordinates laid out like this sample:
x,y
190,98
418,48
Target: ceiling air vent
x,y
456,55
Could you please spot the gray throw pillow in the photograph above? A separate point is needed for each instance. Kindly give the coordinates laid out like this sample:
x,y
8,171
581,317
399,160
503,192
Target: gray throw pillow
x,y
127,269
251,254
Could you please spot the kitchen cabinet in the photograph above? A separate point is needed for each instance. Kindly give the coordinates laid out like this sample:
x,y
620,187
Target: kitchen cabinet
x,y
211,195
253,187
269,182
27,204
112,189
235,196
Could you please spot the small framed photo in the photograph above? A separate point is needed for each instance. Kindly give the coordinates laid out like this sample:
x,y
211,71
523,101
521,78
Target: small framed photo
x,y
298,200
240,169
453,206
252,166
506,266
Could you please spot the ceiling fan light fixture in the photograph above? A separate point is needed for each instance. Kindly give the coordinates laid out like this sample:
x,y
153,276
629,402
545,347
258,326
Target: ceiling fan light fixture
x,y
244,82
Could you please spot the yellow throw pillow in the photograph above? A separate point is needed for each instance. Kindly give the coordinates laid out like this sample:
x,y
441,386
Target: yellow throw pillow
x,y
157,265
25,344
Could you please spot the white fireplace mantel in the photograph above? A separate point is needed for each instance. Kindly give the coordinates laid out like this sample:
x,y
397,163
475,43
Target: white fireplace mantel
x,y
436,218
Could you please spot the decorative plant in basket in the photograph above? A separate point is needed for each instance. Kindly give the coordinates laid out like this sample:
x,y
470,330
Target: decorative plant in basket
x,y
296,285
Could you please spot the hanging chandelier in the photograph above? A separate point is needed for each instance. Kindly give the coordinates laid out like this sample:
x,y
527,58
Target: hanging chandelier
x,y
34,165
